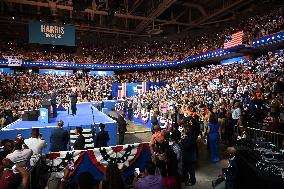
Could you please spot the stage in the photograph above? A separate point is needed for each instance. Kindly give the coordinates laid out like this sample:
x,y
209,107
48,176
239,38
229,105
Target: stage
x,y
84,118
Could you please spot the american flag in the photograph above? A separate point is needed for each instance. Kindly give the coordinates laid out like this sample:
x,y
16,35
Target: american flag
x,y
121,90
141,87
234,40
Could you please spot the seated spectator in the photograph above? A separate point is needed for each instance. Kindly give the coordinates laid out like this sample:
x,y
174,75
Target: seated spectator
x,y
113,179
149,179
20,155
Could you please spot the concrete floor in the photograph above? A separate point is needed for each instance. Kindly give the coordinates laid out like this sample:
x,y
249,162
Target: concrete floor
x,y
205,171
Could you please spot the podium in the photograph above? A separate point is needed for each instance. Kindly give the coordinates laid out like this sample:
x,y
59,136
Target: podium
x,y
47,105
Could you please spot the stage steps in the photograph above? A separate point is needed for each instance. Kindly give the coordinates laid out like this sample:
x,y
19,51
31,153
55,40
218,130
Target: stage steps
x,y
87,133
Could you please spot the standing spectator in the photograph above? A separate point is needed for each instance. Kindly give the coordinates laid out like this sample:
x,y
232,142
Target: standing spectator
x,y
129,110
113,179
8,179
149,179
79,144
8,146
102,137
157,137
230,174
121,127
214,138
188,148
154,120
20,155
35,143
59,138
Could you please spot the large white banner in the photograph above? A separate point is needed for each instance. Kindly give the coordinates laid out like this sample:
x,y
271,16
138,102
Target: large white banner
x,y
14,60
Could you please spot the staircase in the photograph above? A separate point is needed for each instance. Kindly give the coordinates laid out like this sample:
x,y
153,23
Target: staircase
x,y
87,133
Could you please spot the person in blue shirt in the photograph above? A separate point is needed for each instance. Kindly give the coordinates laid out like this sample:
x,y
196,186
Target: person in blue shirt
x,y
214,137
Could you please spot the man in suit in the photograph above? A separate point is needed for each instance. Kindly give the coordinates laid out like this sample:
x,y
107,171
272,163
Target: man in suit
x,y
121,127
188,147
129,110
231,172
73,100
53,103
59,138
102,137
80,141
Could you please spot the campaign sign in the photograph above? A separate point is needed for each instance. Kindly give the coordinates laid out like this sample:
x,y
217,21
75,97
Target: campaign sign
x,y
102,73
6,70
54,34
43,115
56,72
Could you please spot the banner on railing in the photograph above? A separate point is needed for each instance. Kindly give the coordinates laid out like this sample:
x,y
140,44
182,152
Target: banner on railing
x,y
14,60
124,156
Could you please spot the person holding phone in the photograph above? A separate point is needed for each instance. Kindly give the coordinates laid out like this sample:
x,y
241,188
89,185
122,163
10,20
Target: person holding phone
x,y
149,179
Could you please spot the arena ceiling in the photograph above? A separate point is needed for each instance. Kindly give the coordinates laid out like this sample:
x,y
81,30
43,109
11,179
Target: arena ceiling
x,y
128,17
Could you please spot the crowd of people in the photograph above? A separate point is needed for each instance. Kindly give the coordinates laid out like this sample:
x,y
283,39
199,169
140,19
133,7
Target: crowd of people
x,y
21,92
155,51
215,102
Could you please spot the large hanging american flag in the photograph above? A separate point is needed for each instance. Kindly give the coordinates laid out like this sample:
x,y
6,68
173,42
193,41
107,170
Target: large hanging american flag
x,y
141,87
121,90
234,40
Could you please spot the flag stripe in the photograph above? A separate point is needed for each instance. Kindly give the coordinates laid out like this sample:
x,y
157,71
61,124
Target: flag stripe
x,y
237,39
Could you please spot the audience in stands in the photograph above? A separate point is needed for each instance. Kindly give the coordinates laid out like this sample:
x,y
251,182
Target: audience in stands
x,y
169,50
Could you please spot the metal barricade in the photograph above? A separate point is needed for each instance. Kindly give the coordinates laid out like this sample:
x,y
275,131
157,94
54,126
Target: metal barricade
x,y
275,138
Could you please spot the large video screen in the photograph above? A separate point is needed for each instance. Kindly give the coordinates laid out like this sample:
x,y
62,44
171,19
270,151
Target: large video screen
x,y
54,34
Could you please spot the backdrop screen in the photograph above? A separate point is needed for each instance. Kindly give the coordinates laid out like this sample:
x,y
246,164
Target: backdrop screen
x,y
54,34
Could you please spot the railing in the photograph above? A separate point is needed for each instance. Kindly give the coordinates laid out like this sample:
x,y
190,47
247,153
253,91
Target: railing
x,y
255,133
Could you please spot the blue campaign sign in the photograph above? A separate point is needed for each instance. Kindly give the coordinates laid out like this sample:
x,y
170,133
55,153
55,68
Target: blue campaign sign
x,y
102,73
7,70
43,115
54,34
56,72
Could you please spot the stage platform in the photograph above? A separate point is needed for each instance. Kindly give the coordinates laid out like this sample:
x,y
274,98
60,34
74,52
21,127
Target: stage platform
x,y
83,118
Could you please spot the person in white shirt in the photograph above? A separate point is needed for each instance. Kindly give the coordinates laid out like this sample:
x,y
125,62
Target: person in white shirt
x,y
35,143
20,155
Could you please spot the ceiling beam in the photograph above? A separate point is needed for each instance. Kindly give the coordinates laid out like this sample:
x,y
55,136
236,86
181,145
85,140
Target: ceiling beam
x,y
164,5
200,8
105,13
136,4
221,12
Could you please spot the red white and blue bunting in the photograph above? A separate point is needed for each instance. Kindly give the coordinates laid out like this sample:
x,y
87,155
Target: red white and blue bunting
x,y
124,156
